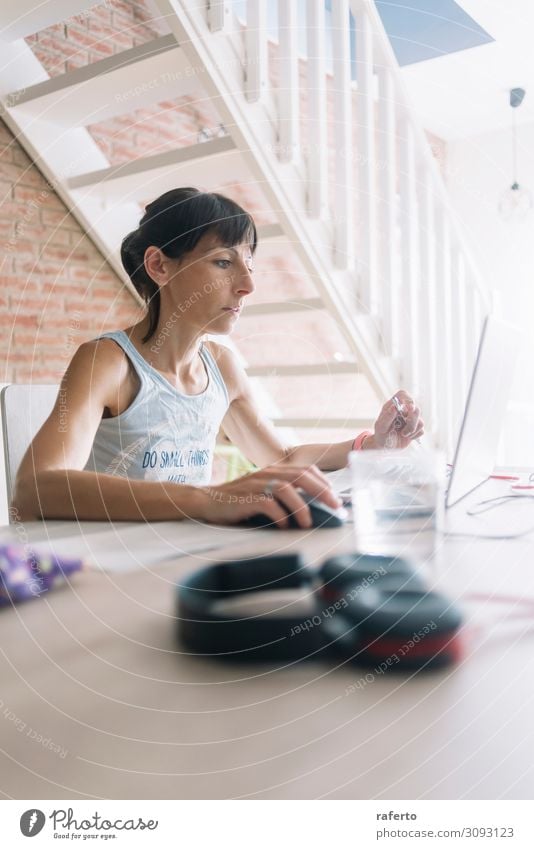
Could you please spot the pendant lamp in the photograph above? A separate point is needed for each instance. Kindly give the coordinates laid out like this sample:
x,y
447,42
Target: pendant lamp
x,y
516,202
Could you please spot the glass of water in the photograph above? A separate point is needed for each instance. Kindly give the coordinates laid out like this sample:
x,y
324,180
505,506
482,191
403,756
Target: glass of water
x,y
398,501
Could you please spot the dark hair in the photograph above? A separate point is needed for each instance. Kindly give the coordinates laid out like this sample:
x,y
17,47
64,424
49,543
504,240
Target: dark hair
x,y
175,222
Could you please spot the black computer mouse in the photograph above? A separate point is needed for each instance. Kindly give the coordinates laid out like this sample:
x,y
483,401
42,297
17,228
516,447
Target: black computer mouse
x,y
322,517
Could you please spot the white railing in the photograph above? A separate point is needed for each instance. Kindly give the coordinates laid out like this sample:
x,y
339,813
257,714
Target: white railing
x,y
316,82
380,187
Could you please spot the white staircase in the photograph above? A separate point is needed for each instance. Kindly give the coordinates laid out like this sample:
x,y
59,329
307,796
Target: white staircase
x,y
356,192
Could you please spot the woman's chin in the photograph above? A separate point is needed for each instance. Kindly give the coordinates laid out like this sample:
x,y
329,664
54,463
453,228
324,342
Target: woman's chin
x,y
225,323
221,325
219,328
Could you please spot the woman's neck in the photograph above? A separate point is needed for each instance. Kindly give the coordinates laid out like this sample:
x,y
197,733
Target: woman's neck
x,y
173,347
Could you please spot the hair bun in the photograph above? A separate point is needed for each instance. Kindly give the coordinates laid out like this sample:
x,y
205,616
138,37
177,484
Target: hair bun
x,y
130,254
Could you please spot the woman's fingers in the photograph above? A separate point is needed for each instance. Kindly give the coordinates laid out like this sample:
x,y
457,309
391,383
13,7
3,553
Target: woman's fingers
x,y
411,413
419,432
399,421
387,416
310,479
412,420
273,492
271,507
289,470
404,398
249,496
294,504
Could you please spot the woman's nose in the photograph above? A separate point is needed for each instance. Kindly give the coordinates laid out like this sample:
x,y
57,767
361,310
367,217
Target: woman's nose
x,y
246,282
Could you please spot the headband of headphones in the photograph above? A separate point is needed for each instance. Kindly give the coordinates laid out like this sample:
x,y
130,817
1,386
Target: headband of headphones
x,y
366,608
205,628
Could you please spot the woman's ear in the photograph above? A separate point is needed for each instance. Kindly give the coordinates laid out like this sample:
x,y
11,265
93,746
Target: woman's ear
x,y
156,265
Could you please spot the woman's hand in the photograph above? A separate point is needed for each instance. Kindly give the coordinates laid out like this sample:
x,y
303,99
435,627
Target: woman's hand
x,y
271,491
394,427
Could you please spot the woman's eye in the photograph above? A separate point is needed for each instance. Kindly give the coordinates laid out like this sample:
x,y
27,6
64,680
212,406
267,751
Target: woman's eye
x,y
223,263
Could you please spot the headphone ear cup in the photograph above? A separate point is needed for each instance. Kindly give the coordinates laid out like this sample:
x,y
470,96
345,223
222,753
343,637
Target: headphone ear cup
x,y
406,627
337,573
384,617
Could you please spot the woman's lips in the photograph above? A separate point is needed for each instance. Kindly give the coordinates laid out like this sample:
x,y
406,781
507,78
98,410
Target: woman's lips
x,y
235,310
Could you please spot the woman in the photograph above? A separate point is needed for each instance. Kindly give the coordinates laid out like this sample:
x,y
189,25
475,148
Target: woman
x,y
133,431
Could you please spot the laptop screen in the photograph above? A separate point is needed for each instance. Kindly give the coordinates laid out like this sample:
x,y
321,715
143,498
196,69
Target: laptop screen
x,y
485,409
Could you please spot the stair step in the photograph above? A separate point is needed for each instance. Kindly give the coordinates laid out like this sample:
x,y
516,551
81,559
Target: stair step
x,y
319,423
273,241
270,231
277,307
304,370
130,80
19,18
206,163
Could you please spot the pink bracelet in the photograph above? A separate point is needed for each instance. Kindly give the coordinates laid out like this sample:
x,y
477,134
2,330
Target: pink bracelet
x,y
357,445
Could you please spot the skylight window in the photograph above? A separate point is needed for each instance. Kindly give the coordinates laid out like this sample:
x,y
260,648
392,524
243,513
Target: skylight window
x,y
425,29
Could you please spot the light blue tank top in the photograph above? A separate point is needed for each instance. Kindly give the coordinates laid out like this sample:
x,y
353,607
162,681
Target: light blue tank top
x,y
164,434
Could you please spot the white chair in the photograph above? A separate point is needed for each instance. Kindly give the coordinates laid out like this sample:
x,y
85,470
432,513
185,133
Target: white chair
x,y
24,408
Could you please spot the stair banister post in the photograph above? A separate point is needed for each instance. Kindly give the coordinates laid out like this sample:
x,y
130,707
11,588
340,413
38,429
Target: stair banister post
x,y
219,12
289,83
387,274
411,325
256,60
366,159
430,372
343,159
317,157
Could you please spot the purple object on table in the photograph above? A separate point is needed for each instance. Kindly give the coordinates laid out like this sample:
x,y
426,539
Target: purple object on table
x,y
25,574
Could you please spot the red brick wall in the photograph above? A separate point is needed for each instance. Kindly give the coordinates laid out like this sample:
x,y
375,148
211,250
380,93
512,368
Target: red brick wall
x,y
56,289
104,29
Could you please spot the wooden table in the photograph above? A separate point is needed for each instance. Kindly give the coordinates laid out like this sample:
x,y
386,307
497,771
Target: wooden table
x,y
99,701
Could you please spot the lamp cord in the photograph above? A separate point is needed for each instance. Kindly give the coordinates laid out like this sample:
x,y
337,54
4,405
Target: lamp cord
x,y
514,150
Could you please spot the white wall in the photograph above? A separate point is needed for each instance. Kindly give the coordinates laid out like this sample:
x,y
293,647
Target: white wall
x,y
478,170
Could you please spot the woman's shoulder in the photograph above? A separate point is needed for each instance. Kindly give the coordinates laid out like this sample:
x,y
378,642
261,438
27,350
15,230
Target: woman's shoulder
x,y
103,367
100,355
229,366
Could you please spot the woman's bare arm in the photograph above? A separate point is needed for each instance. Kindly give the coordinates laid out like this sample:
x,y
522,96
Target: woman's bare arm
x,y
51,481
247,428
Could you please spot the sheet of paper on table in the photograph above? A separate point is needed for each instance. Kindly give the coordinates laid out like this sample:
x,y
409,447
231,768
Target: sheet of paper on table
x,y
121,546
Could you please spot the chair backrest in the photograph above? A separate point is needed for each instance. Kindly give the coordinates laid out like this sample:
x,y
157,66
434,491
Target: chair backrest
x,y
24,408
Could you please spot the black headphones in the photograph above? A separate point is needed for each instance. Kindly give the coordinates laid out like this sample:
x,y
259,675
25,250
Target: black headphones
x,y
369,610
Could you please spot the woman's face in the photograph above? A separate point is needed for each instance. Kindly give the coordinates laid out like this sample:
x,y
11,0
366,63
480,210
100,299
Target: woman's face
x,y
208,285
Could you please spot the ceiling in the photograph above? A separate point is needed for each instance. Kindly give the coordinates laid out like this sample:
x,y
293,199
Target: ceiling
x,y
466,93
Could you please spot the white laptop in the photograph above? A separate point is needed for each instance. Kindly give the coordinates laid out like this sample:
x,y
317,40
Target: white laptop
x,y
485,409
